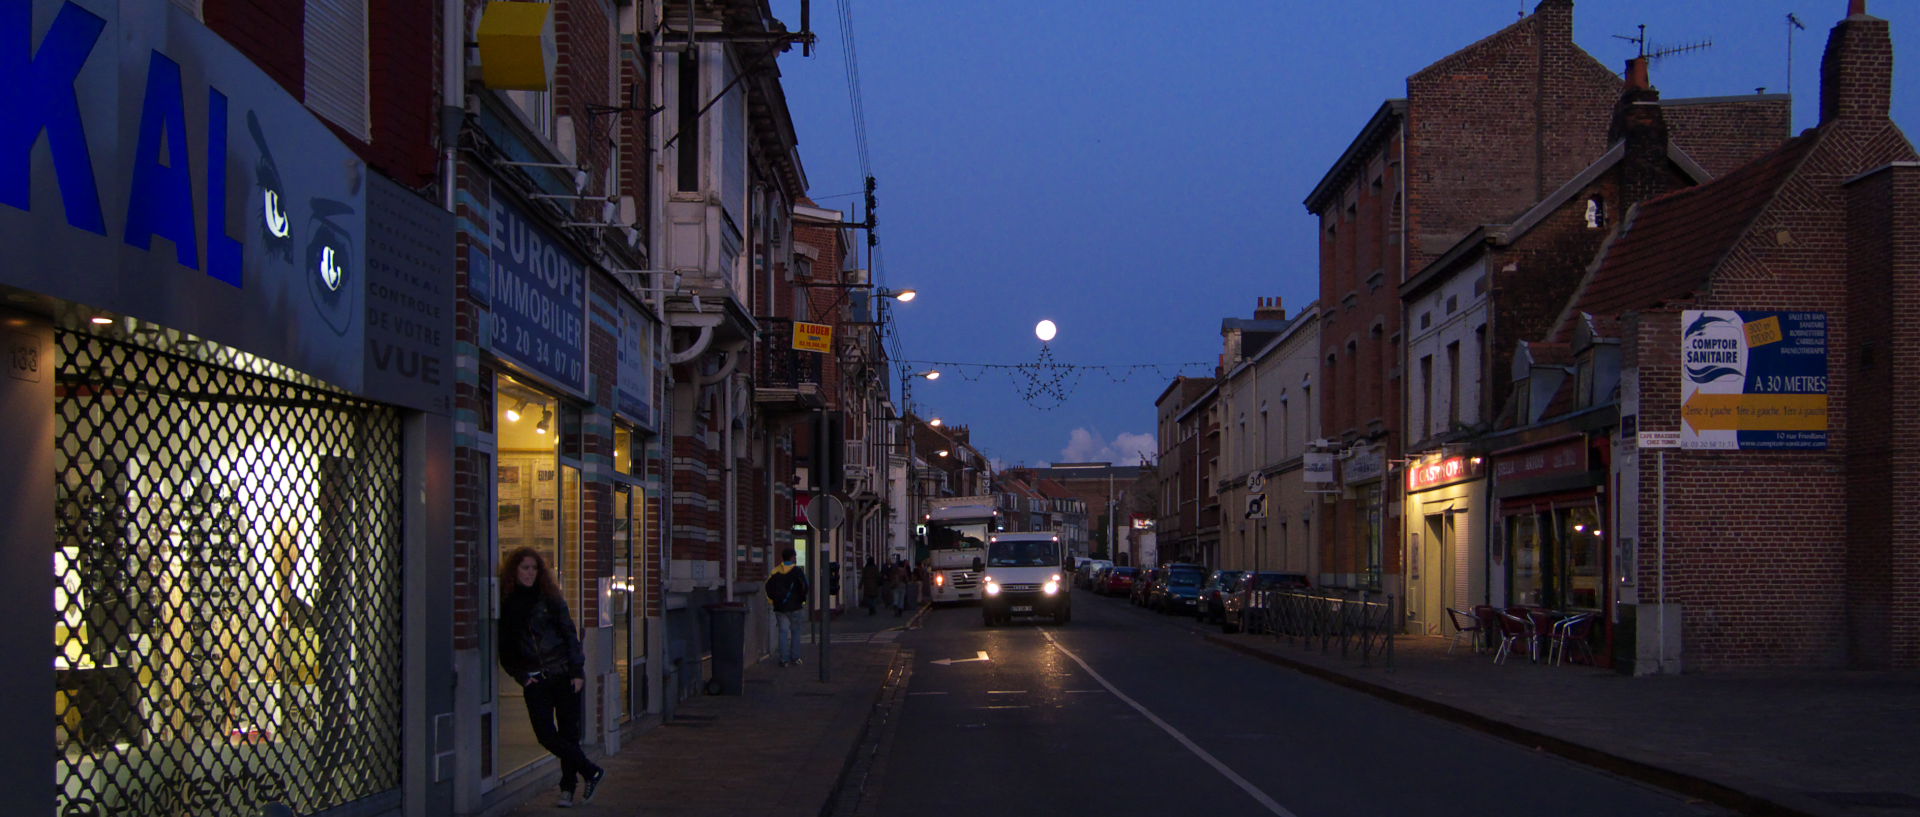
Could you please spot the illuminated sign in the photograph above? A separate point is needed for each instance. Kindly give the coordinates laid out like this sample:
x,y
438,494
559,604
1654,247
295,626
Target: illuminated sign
x,y
1436,474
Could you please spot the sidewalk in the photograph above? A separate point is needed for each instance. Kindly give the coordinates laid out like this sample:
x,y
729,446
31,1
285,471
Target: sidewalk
x,y
779,750
1828,743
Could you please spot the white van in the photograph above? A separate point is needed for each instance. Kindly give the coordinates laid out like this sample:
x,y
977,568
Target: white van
x,y
1024,578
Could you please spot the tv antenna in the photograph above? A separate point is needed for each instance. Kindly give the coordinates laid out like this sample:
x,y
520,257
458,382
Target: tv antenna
x,y
1660,52
1792,23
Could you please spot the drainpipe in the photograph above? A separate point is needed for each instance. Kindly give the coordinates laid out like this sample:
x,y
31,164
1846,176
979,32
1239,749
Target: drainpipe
x,y
731,485
453,95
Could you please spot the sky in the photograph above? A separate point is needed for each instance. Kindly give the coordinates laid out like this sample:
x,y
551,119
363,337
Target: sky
x,y
1134,171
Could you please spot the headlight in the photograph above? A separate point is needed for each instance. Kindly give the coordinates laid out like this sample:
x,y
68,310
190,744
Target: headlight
x,y
993,589
939,578
1052,587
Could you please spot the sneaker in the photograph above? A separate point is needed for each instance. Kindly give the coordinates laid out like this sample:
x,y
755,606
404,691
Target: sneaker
x,y
593,782
566,798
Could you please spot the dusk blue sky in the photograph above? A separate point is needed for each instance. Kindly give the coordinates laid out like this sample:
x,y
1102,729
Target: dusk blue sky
x,y
1134,171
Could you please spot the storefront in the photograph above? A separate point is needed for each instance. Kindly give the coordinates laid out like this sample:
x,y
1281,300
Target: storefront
x,y
1363,560
1444,557
1554,543
228,345
569,364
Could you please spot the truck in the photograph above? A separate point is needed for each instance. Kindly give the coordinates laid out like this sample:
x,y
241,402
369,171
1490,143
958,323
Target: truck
x,y
957,529
1024,577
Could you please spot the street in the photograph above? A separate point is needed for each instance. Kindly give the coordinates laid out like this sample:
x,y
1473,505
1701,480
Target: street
x,y
1126,711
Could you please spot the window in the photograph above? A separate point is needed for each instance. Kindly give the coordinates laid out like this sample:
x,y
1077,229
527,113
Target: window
x,y
688,112
1426,396
336,63
1453,381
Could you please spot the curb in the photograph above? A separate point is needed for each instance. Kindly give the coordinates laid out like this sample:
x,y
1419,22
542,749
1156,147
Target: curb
x,y
831,806
1679,782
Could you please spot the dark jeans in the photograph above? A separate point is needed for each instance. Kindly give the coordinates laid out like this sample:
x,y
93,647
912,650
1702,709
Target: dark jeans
x,y
555,710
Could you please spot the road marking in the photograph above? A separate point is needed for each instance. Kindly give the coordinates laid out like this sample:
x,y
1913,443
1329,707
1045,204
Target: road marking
x,y
979,655
1006,692
1251,790
1005,706
1079,691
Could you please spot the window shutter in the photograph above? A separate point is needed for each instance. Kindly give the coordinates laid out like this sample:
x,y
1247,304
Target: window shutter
x,y
336,46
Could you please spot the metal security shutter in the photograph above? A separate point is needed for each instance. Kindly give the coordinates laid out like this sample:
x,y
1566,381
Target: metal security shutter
x,y
336,45
228,589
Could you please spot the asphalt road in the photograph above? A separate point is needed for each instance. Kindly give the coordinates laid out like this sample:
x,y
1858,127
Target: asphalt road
x,y
1128,712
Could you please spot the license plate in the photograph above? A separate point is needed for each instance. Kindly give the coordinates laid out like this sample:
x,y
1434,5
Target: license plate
x,y
1023,608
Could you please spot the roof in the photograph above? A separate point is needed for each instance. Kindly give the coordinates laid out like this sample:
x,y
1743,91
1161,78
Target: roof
x,y
1376,130
1670,245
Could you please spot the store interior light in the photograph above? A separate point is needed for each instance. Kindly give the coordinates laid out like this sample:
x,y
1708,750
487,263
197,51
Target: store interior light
x,y
513,414
546,420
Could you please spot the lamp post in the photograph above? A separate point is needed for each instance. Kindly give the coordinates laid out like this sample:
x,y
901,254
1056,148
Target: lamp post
x,y
907,420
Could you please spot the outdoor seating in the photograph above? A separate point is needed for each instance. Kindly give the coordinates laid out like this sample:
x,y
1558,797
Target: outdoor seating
x,y
1513,629
1489,619
1465,626
1571,633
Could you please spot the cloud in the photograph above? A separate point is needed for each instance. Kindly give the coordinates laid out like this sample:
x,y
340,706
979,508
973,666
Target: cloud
x,y
1088,445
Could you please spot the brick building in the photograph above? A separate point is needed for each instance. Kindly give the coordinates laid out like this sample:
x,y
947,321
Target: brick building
x,y
1188,516
1481,136
1767,543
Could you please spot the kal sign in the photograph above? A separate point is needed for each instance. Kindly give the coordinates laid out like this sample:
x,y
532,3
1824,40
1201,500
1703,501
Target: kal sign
x,y
1753,380
148,168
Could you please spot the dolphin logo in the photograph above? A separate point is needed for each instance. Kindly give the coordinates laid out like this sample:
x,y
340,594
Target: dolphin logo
x,y
330,272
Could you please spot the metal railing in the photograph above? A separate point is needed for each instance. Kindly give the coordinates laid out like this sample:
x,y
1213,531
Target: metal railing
x,y
777,364
1356,622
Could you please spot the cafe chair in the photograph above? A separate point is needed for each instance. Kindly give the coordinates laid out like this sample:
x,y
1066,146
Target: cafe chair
x,y
1571,633
1465,626
1515,629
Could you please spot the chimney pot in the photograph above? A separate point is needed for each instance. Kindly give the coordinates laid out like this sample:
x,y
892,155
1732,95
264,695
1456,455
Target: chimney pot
x,y
1856,7
1637,74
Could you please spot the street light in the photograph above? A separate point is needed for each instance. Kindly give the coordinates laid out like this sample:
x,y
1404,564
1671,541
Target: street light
x,y
935,422
902,295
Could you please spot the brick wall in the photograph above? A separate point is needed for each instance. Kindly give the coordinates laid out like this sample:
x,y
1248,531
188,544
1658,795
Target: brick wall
x,y
1723,135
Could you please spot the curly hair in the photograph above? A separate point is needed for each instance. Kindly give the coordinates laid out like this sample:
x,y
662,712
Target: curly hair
x,y
510,567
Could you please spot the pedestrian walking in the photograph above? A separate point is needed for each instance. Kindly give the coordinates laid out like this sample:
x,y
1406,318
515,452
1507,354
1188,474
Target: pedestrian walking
x,y
870,586
540,648
896,586
787,590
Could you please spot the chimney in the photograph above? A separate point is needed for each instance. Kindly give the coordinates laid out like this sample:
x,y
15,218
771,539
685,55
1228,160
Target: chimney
x,y
1639,121
1856,73
1269,309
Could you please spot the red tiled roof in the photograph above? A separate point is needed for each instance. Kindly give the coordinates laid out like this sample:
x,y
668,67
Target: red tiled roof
x,y
1674,242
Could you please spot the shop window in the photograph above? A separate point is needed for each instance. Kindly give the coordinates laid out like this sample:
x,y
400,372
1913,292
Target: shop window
x,y
1556,558
623,450
227,604
528,510
627,597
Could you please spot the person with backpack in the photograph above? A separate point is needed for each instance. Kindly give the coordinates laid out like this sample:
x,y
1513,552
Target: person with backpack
x,y
787,590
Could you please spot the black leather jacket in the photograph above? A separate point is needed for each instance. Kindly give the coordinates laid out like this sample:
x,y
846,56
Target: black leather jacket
x,y
537,635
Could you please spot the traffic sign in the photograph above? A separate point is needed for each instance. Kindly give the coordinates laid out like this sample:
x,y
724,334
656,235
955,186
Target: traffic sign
x,y
1659,439
826,512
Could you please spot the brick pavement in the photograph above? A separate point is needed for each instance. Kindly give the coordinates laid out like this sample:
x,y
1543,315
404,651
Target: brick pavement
x,y
1829,743
779,750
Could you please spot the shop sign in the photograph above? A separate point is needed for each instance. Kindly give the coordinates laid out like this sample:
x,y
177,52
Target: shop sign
x,y
812,337
1420,477
1569,457
1317,467
635,391
1142,522
1364,466
539,298
1753,380
409,299
147,168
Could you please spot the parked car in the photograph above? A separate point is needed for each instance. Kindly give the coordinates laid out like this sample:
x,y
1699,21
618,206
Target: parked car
x,y
1219,583
1142,587
1177,590
1083,575
1237,604
1116,581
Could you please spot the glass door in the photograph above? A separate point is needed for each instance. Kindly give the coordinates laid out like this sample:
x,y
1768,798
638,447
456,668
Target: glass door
x,y
527,502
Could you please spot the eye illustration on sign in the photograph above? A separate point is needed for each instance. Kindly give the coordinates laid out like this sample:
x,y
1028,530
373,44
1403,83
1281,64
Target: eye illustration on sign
x,y
329,257
276,226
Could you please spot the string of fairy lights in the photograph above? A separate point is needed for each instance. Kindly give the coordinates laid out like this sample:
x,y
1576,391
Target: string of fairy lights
x,y
1046,383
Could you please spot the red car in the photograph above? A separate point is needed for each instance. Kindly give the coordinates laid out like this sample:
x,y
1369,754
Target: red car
x,y
1116,580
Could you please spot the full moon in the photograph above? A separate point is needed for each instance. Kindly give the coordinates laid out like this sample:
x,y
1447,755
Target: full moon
x,y
1045,330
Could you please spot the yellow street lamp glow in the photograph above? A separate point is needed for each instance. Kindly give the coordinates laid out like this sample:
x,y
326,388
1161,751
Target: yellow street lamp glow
x,y
1045,330
931,374
941,453
935,422
905,295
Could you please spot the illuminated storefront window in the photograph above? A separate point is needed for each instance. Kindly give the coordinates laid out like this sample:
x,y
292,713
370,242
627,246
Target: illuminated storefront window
x,y
227,603
531,503
1557,558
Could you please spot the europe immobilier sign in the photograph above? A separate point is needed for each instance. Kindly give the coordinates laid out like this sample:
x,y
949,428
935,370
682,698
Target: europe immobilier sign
x,y
1753,380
